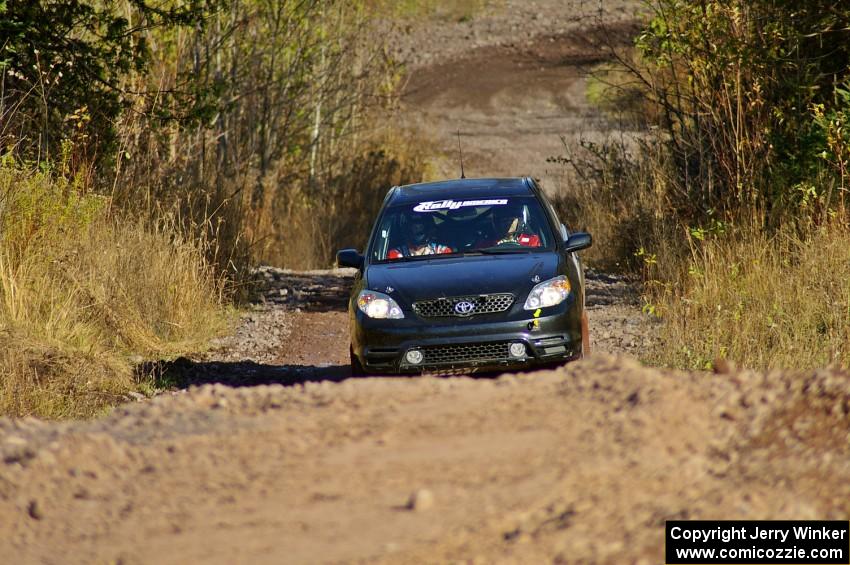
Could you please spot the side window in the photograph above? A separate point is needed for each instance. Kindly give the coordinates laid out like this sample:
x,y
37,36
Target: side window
x,y
386,234
535,222
565,233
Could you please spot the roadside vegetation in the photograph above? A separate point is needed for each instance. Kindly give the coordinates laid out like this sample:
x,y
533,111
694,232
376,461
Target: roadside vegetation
x,y
86,294
728,188
153,151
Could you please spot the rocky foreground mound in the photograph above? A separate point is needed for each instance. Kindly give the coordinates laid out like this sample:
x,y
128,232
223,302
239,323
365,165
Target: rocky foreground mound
x,y
580,464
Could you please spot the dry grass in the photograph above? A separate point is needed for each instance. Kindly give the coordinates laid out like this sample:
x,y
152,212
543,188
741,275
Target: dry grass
x,y
723,291
309,229
614,190
760,301
83,294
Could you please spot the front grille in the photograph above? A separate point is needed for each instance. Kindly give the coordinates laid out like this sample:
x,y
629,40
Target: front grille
x,y
465,352
447,307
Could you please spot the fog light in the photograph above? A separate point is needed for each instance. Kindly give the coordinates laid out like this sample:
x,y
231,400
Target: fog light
x,y
414,357
517,350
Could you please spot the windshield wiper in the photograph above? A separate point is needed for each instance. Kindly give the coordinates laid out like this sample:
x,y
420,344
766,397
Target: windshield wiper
x,y
425,257
473,252
500,250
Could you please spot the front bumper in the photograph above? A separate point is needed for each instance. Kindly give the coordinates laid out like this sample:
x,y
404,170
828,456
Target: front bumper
x,y
467,345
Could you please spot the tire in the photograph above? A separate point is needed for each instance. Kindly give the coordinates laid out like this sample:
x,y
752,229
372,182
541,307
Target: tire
x,y
585,336
356,367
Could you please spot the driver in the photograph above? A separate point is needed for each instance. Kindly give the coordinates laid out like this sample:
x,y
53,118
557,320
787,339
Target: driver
x,y
419,240
510,228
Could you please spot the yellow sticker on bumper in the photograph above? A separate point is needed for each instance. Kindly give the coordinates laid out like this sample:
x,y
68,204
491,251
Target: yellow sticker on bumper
x,y
537,313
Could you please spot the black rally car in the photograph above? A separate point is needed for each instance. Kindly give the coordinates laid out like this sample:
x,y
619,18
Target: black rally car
x,y
466,275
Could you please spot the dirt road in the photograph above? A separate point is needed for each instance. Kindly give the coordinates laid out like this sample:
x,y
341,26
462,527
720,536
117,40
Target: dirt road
x,y
266,452
513,84
579,465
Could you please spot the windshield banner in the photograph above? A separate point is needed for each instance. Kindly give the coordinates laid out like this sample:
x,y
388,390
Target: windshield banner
x,y
454,205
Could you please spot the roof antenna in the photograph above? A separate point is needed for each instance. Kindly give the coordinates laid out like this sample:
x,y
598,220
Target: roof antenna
x,y
460,150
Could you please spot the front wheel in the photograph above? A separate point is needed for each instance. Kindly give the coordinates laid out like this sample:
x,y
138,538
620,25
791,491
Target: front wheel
x,y
356,367
585,336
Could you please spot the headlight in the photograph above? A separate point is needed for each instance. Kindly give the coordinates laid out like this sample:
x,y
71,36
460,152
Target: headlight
x,y
548,293
378,305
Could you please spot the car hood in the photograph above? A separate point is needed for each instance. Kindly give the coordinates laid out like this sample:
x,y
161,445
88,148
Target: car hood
x,y
462,276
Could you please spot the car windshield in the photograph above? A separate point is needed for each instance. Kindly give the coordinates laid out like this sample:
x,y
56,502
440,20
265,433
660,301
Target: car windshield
x,y
461,227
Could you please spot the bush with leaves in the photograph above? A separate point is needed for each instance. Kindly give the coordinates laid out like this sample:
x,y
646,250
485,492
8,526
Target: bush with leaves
x,y
64,63
736,83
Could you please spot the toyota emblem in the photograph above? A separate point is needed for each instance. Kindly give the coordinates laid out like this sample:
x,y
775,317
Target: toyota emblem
x,y
464,308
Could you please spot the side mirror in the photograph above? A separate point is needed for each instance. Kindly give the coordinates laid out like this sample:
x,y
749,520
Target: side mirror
x,y
578,241
349,258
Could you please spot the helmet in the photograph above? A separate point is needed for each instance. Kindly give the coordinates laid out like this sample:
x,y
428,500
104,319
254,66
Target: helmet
x,y
418,227
508,218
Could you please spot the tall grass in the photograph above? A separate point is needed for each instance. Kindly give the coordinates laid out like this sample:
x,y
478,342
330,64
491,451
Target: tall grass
x,y
85,293
723,289
763,301
310,227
